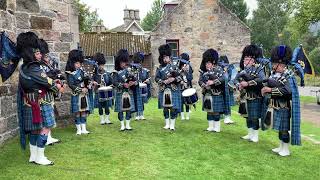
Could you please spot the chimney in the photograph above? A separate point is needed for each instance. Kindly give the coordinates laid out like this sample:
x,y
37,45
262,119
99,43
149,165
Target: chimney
x,y
126,18
98,28
137,15
132,14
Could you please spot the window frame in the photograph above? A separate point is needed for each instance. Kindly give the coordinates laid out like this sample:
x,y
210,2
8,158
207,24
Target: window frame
x,y
171,41
108,64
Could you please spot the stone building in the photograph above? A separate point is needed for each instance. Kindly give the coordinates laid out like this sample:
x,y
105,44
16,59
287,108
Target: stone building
x,y
193,26
56,21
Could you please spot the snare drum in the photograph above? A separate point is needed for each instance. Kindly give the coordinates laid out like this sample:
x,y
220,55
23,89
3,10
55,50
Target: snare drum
x,y
144,89
105,93
190,96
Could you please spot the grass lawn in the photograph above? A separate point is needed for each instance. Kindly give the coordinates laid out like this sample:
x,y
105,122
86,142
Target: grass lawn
x,y
308,99
150,152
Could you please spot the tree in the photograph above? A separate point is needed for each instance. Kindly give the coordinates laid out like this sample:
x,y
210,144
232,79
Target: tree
x,y
238,7
308,13
86,17
153,16
314,57
268,23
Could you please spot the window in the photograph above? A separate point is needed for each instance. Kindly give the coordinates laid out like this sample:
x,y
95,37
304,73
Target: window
x,y
109,66
3,4
174,44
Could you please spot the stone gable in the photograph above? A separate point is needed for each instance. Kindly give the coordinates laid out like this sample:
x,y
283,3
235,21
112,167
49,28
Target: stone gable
x,y
198,26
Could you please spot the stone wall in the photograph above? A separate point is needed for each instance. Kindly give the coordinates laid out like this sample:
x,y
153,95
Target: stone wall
x,y
56,21
199,25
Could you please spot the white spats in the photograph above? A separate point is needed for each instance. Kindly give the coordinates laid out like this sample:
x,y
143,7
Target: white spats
x,y
78,126
182,116
278,149
216,126
172,124
249,135
227,120
41,159
102,120
107,120
84,129
33,153
255,136
210,128
122,128
128,127
285,150
167,126
187,115
51,140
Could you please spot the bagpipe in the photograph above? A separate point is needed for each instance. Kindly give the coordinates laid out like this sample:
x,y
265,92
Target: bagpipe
x,y
273,82
89,68
129,74
213,75
184,71
248,74
9,58
55,73
172,69
215,89
252,72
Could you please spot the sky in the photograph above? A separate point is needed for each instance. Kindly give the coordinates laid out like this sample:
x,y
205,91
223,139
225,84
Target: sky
x,y
111,11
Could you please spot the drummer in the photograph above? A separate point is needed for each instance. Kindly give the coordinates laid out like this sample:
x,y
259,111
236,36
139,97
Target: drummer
x,y
102,79
186,73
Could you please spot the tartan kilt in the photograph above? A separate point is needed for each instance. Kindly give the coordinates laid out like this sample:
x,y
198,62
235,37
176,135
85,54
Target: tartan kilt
x,y
281,119
139,101
75,104
232,101
145,99
91,100
176,99
97,104
118,102
254,108
217,103
47,114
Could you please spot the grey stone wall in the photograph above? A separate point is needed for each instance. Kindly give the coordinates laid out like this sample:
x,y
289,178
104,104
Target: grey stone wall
x,y
199,25
56,21
8,114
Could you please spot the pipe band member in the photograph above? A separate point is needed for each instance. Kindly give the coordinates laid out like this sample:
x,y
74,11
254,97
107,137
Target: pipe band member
x,y
249,83
35,98
124,80
284,103
168,79
213,82
140,93
187,77
78,82
102,78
